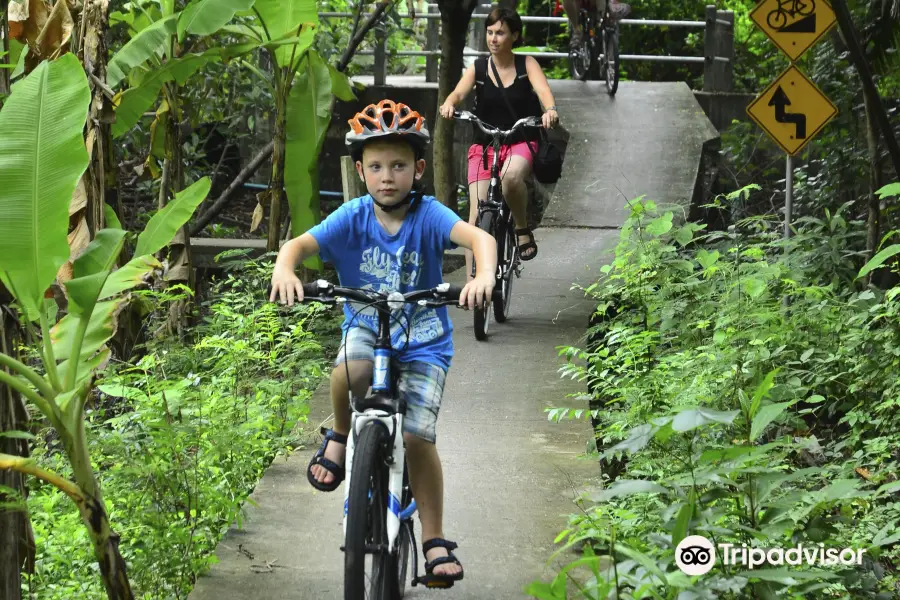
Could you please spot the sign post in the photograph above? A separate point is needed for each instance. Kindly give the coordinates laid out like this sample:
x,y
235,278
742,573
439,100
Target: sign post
x,y
792,110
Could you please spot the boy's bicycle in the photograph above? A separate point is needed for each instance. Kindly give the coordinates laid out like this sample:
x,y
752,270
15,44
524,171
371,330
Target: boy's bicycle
x,y
598,55
495,217
379,541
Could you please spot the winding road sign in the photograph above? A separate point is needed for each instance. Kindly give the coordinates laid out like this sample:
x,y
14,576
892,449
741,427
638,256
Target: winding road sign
x,y
794,25
792,110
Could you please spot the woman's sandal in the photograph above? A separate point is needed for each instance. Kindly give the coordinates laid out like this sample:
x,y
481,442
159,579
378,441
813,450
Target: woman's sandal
x,y
329,465
523,248
432,580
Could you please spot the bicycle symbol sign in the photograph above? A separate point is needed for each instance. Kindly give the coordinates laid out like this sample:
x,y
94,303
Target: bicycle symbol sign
x,y
794,25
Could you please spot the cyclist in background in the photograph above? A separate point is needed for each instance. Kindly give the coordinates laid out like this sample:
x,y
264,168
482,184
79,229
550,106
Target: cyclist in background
x,y
522,92
618,10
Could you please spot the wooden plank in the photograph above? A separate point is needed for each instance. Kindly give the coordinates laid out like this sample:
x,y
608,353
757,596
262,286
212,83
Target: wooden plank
x,y
352,185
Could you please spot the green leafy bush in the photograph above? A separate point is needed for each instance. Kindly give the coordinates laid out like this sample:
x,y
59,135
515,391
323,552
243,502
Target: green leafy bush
x,y
181,437
751,382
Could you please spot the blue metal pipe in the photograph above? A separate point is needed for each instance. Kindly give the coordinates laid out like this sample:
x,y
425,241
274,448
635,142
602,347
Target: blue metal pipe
x,y
262,186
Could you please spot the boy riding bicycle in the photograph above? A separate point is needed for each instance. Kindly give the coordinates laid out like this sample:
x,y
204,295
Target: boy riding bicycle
x,y
392,239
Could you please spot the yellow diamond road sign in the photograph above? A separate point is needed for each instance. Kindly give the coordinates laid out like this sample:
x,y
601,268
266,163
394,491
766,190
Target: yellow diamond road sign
x,y
794,25
792,110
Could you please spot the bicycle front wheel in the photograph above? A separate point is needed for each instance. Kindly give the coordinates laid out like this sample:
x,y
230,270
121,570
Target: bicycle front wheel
x,y
367,562
508,254
483,315
611,56
580,56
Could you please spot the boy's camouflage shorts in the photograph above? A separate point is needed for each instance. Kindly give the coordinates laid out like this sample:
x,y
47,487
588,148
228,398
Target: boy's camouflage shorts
x,y
421,383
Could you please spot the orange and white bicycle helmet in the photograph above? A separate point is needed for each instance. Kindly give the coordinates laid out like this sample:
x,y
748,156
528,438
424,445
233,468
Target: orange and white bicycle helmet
x,y
387,119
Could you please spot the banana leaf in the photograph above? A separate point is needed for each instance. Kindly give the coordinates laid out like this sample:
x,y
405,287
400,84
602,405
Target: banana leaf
x,y
281,17
206,17
163,225
152,41
42,157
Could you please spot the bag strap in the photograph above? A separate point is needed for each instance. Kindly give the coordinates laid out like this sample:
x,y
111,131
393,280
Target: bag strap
x,y
509,105
480,76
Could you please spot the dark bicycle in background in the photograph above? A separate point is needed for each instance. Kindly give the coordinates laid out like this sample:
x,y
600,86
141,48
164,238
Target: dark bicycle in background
x,y
598,56
495,217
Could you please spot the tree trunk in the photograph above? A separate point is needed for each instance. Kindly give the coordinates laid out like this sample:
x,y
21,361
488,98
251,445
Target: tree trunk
x,y
16,539
93,54
858,59
876,177
276,185
4,47
106,550
455,16
220,203
179,270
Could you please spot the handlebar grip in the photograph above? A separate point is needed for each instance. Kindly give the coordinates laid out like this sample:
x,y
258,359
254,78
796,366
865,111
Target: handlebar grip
x,y
311,289
453,292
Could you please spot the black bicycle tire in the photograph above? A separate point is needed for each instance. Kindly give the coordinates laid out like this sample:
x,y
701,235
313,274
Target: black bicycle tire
x,y
406,550
611,88
481,315
501,309
366,467
585,51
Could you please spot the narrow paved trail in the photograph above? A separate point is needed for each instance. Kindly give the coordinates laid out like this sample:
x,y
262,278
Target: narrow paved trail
x,y
511,476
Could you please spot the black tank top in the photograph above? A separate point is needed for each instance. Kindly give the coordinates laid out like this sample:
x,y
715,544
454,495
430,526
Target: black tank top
x,y
494,110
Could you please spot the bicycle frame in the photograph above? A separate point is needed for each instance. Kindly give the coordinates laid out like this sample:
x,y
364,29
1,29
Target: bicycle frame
x,y
383,392
495,201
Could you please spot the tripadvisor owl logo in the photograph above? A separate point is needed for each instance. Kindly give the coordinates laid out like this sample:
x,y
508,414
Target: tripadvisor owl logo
x,y
695,555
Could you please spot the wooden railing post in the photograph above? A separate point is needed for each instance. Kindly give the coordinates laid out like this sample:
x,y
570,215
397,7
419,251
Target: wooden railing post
x,y
710,48
431,44
380,66
351,184
725,38
718,74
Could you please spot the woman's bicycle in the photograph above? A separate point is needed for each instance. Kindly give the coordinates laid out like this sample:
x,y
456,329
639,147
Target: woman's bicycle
x,y
495,217
598,56
379,541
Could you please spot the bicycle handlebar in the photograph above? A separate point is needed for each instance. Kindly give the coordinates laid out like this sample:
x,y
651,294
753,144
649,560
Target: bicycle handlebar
x,y
325,292
464,115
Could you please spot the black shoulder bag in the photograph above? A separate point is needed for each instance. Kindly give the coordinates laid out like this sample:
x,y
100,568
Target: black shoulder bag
x,y
547,162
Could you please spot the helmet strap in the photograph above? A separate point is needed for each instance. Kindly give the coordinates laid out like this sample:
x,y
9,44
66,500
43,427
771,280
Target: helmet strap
x,y
392,207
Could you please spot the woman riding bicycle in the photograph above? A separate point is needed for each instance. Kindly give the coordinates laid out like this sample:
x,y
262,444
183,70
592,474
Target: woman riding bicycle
x,y
525,90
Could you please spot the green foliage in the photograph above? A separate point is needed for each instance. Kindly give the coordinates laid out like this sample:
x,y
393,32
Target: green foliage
x,y
181,437
746,418
43,157
308,116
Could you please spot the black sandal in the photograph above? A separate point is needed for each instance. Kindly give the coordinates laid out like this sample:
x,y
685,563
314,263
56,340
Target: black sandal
x,y
430,580
329,465
528,246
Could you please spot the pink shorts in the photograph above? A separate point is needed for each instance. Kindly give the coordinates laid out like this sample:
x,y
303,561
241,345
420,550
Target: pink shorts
x,y
477,172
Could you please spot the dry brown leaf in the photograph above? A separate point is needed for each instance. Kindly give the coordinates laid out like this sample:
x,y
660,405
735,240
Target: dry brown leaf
x,y
89,141
258,213
864,473
79,239
57,31
79,198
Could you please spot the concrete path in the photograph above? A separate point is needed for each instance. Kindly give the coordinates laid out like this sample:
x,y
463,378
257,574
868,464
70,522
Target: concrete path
x,y
510,475
645,140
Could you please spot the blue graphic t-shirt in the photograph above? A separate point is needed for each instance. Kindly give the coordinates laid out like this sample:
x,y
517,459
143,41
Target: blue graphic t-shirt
x,y
366,256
